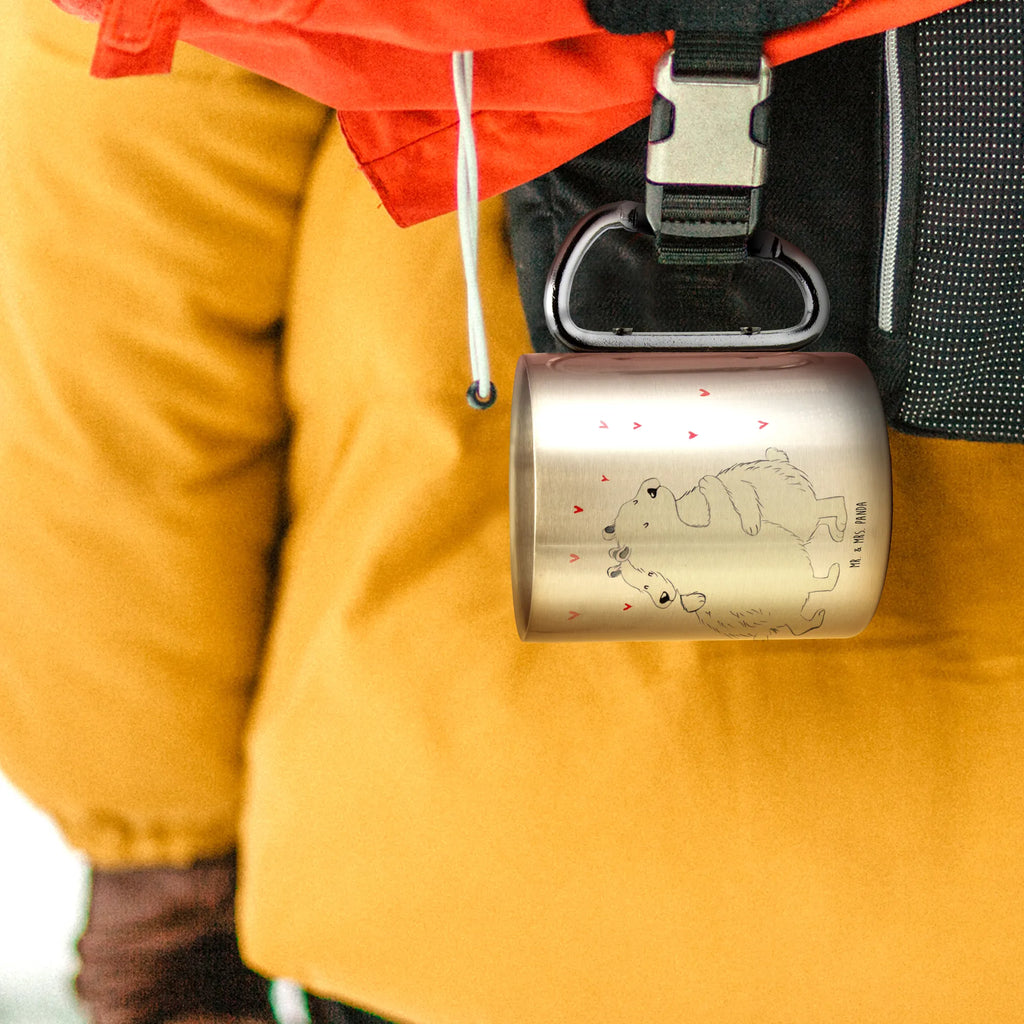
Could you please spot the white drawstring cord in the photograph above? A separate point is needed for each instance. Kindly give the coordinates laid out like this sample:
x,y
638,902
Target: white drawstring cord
x,y
481,394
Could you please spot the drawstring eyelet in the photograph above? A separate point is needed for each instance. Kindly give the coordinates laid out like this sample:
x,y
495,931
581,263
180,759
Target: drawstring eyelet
x,y
474,399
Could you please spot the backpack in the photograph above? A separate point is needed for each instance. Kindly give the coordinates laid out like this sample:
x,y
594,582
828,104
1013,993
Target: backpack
x,y
896,163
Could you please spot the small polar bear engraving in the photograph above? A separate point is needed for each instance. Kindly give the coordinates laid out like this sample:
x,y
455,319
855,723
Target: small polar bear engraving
x,y
732,550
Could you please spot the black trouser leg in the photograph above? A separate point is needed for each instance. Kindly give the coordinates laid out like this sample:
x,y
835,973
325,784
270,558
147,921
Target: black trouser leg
x,y
327,1011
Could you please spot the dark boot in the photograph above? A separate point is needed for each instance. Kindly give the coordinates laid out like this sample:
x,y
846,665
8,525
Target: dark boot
x,y
215,1018
160,944
327,1011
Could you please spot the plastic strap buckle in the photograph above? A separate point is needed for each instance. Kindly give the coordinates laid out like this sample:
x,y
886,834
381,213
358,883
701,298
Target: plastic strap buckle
x,y
705,161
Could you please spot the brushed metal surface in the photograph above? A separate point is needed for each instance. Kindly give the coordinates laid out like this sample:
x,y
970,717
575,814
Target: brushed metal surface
x,y
698,496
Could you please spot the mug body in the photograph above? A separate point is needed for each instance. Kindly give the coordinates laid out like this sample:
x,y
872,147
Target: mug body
x,y
698,496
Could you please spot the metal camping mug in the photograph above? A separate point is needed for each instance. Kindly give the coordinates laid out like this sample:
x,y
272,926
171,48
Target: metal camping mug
x,y
695,485
697,495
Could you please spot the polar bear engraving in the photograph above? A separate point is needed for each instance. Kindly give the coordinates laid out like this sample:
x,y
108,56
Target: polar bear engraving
x,y
771,489
732,550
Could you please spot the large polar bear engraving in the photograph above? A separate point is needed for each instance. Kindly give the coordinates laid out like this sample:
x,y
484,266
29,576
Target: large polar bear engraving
x,y
731,550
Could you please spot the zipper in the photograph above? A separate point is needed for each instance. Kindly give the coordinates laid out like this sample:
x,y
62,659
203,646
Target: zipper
x,y
893,185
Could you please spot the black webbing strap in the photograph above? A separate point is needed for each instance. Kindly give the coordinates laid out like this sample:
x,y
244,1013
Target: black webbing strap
x,y
716,54
683,208
755,17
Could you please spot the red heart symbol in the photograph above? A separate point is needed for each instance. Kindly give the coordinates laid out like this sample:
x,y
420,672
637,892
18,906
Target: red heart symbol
x,y
704,393
626,608
573,558
576,510
573,615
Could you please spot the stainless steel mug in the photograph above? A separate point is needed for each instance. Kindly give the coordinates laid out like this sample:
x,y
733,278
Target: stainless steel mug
x,y
697,495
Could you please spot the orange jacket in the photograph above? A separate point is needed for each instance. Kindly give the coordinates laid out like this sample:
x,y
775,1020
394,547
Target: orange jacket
x,y
549,83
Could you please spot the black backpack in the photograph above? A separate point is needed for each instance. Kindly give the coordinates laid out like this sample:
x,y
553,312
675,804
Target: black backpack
x,y
896,163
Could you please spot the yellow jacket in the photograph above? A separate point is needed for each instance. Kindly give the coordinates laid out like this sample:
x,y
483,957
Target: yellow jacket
x,y
436,820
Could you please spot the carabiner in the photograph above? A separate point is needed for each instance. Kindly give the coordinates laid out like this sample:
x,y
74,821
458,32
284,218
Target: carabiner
x,y
629,216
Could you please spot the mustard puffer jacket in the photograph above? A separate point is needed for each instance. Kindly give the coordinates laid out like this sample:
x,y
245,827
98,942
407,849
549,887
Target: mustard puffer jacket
x,y
254,588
